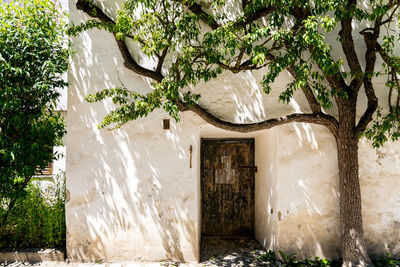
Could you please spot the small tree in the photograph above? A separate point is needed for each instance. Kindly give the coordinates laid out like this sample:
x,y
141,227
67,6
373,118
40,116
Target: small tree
x,y
278,35
33,57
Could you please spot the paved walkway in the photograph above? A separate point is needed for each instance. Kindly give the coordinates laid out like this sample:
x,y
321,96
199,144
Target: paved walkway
x,y
215,252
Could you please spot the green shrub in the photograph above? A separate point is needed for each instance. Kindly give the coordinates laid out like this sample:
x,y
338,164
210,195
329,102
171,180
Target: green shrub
x,y
33,58
387,261
37,220
269,256
290,260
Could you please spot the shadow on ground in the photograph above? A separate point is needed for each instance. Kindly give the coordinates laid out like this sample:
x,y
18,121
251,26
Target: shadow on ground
x,y
231,252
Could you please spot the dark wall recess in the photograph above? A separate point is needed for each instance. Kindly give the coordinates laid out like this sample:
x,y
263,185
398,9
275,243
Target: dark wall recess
x,y
166,124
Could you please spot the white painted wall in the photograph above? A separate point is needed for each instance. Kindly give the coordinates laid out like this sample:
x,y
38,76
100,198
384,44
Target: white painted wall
x,y
307,214
380,194
132,195
265,188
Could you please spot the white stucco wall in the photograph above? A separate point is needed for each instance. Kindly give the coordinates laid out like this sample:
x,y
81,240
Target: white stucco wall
x,y
380,193
131,193
297,193
265,188
133,196
307,212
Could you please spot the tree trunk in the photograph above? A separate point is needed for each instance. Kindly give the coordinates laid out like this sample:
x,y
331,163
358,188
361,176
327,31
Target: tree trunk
x,y
353,247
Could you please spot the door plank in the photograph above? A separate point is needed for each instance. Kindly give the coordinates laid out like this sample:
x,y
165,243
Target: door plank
x,y
227,189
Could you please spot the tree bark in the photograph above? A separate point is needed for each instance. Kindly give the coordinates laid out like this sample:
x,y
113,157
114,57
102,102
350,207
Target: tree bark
x,y
354,252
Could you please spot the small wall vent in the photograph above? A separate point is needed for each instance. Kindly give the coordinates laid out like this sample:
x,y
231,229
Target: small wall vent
x,y
166,124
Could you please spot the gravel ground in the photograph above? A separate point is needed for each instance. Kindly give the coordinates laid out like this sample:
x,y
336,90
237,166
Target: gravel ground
x,y
233,252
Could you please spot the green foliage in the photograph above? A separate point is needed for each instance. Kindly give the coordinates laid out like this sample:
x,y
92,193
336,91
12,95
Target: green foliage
x,y
128,109
37,219
384,127
33,57
387,261
290,260
268,256
295,35
318,262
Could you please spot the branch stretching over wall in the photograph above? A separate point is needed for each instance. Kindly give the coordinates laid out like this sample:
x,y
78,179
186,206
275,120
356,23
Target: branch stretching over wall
x,y
317,117
129,63
349,50
314,118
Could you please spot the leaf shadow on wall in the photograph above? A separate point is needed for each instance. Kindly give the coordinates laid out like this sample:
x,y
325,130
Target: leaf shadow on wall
x,y
120,204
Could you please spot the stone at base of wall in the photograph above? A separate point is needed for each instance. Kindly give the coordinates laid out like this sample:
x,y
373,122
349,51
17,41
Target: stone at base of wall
x,y
32,255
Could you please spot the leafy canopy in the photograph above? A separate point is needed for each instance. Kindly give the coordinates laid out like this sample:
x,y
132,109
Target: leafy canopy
x,y
199,42
33,57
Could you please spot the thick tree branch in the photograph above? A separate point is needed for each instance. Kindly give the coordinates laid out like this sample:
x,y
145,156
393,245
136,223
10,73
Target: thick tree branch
x,y
384,56
239,58
335,81
393,73
209,20
371,108
370,59
247,65
350,51
255,16
129,63
314,118
312,101
390,5
161,60
371,41
308,93
93,11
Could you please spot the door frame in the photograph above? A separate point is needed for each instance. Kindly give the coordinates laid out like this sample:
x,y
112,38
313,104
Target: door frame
x,y
251,141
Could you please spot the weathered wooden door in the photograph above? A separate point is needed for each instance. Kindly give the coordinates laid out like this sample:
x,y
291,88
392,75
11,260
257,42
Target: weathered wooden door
x,y
227,185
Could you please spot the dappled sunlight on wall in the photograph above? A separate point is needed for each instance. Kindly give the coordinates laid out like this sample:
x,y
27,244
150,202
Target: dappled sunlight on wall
x,y
131,193
126,194
240,97
265,189
134,192
380,187
296,198
306,211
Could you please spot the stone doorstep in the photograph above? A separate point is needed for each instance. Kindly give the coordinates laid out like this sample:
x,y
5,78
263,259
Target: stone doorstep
x,y
32,255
